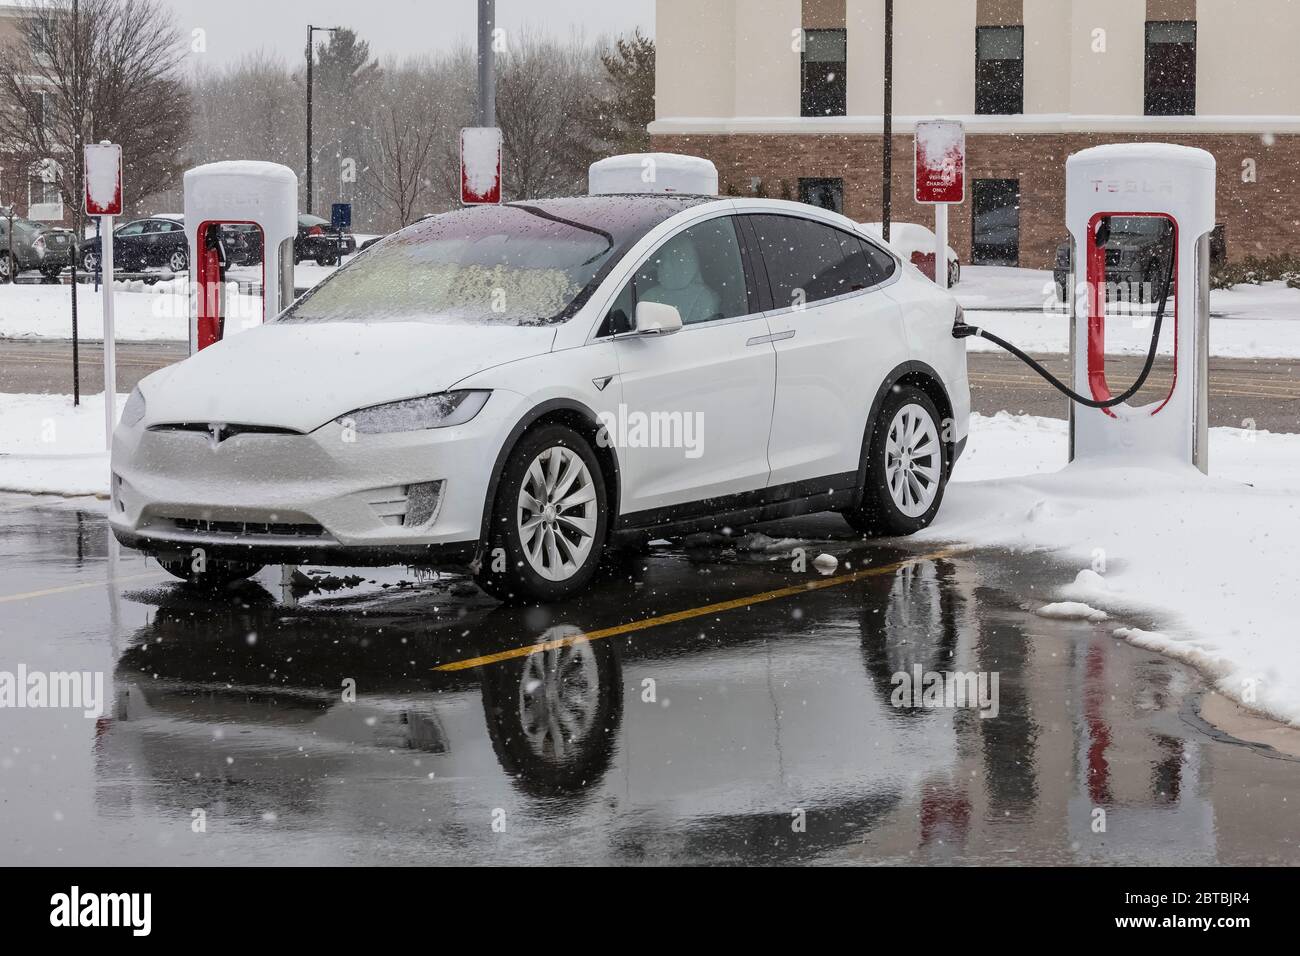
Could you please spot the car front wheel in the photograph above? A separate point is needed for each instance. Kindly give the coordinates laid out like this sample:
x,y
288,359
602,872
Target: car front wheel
x,y
907,467
90,261
6,268
549,520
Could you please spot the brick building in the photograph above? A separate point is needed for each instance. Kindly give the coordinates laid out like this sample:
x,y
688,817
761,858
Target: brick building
x,y
785,96
21,184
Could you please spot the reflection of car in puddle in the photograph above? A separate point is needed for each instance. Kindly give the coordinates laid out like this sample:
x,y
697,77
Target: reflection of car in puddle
x,y
712,753
701,740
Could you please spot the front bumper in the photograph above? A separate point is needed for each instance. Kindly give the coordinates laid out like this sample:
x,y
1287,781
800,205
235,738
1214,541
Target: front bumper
x,y
313,498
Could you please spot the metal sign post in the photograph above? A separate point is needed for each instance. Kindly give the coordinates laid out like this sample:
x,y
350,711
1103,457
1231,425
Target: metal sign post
x,y
940,180
104,199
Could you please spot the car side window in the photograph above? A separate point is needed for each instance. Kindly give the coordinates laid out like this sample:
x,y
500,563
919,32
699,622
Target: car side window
x,y
699,271
132,229
807,261
880,264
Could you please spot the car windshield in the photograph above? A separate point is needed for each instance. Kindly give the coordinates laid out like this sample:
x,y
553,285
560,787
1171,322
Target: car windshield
x,y
517,264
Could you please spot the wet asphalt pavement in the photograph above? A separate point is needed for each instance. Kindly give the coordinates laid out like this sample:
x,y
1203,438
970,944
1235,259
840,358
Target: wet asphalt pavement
x,y
756,725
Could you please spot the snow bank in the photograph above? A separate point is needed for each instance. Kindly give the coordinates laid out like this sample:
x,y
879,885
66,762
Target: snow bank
x,y
1211,559
49,447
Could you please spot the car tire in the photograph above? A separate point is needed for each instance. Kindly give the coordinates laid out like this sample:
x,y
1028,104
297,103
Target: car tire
x,y
215,575
179,260
331,259
553,553
6,268
903,489
89,261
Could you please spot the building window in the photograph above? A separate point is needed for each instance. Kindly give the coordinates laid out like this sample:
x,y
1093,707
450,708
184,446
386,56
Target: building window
x,y
995,223
1171,68
824,61
999,69
823,192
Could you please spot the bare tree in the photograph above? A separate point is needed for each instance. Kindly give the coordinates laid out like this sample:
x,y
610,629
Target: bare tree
x,y
404,136
112,72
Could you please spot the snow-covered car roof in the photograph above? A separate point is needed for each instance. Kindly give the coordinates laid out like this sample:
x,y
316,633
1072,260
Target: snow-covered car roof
x,y
907,238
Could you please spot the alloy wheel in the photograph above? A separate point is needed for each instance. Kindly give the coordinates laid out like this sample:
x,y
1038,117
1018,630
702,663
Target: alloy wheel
x,y
557,513
913,460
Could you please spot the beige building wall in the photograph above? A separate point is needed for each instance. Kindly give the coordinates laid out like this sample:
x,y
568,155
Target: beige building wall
x,y
737,58
767,71
695,73
1247,63
934,58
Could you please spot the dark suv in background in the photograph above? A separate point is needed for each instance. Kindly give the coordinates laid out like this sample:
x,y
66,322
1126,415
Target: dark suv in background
x,y
35,246
316,241
1137,257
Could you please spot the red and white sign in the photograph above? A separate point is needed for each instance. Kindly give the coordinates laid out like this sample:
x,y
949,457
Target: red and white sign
x,y
940,162
103,179
480,165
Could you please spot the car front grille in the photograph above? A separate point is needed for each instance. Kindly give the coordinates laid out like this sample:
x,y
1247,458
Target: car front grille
x,y
246,528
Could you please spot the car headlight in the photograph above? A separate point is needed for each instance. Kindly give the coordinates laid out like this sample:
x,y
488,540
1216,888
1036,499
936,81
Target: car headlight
x,y
133,410
414,414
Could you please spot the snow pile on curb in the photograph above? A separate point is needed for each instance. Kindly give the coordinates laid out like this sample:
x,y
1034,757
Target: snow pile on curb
x,y
1212,558
47,446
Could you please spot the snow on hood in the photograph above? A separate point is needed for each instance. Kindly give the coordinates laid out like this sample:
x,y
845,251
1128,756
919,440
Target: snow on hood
x,y
302,375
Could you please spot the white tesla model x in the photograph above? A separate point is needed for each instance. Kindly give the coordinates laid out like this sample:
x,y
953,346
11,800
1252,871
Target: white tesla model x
x,y
520,388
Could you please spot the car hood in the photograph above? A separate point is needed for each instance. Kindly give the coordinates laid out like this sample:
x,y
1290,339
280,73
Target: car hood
x,y
302,375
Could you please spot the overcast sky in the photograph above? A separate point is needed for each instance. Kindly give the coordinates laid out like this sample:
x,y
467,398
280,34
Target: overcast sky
x,y
400,27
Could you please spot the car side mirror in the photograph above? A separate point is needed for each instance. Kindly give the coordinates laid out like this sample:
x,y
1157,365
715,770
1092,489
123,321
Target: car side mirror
x,y
657,318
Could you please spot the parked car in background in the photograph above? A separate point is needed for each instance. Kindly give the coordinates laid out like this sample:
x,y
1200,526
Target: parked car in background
x,y
317,241
157,241
243,243
1137,259
35,246
915,243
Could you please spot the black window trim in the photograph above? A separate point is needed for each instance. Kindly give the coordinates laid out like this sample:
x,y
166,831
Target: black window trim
x,y
767,282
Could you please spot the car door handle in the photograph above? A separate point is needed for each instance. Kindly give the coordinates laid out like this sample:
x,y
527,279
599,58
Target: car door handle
x,y
774,337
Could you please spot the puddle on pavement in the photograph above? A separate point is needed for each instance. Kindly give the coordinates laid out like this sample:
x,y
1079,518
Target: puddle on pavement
x,y
317,729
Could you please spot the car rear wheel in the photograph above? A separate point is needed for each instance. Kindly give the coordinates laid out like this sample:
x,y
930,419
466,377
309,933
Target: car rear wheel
x,y
179,260
549,519
214,574
6,268
907,467
89,261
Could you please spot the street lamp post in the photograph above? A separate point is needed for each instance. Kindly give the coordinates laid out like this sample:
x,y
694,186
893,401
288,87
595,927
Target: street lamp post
x,y
887,133
311,30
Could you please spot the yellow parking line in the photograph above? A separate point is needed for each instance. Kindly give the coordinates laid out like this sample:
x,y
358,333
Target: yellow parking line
x,y
27,595
686,615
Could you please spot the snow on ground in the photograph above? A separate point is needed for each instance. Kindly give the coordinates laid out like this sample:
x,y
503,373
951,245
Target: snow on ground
x,y
140,312
1247,321
48,446
1210,559
158,312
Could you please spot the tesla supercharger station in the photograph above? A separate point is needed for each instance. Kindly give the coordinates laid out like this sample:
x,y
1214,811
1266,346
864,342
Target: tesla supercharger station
x,y
237,193
1119,186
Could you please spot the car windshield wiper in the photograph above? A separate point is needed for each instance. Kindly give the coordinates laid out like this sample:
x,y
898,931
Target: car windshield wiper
x,y
543,214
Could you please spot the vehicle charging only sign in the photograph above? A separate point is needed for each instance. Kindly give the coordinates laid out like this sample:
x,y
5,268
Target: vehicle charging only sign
x,y
103,179
940,162
480,165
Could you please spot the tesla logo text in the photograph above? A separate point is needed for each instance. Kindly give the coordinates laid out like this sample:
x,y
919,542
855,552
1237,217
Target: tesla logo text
x,y
1163,187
